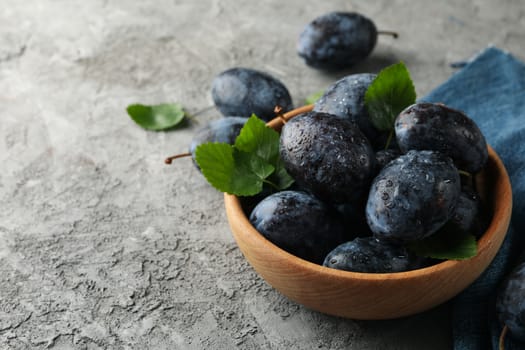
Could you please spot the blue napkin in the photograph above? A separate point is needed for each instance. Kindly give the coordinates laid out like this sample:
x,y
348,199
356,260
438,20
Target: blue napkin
x,y
491,90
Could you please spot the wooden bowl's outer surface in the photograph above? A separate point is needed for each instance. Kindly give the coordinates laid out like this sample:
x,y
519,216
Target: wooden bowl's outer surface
x,y
373,296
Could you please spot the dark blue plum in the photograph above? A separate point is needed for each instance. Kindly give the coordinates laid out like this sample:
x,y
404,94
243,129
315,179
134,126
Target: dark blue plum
x,y
469,215
385,156
223,130
510,304
413,196
337,40
346,99
328,156
434,126
249,202
243,91
299,223
370,255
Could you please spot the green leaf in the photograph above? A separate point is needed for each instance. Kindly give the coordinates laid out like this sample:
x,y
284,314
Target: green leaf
x,y
390,92
230,170
255,137
250,174
157,117
311,99
216,163
244,167
280,177
446,244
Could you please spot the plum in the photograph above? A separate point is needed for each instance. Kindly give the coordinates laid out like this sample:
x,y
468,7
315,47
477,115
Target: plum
x,y
371,255
243,92
299,223
337,40
413,196
328,156
434,126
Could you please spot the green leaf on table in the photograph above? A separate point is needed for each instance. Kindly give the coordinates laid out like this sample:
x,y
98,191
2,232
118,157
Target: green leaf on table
x,y
446,244
244,167
311,99
389,94
156,117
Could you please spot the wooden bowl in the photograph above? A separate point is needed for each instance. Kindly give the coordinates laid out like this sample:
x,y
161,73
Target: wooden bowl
x,y
374,295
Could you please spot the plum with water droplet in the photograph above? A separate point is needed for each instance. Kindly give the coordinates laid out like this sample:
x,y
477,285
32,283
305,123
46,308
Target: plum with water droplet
x,y
299,223
346,99
413,196
328,156
434,126
371,255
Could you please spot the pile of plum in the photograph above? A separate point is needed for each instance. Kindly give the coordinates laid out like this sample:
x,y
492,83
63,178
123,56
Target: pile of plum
x,y
356,205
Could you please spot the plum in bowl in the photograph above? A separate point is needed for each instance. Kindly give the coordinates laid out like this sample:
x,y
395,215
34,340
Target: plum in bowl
x,y
373,296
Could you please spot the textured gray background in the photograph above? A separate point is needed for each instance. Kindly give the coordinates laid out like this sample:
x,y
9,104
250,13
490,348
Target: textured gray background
x,y
102,246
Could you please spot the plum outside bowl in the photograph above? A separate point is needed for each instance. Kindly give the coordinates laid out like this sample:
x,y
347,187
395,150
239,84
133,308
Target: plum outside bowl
x,y
374,296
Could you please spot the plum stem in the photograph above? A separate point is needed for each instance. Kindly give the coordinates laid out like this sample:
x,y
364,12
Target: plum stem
x,y
169,160
203,110
278,110
388,32
502,337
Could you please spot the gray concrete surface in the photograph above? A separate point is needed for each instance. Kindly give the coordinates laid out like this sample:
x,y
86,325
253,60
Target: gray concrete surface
x,y
102,246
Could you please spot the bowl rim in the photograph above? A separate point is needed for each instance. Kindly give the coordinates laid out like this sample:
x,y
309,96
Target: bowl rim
x,y
500,221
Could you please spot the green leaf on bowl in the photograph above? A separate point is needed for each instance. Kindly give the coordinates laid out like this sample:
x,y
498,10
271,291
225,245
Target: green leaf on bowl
x,y
244,167
255,137
390,92
156,117
446,244
280,179
230,170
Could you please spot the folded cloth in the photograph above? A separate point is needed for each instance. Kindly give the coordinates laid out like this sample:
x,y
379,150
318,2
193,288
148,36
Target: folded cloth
x,y
490,89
